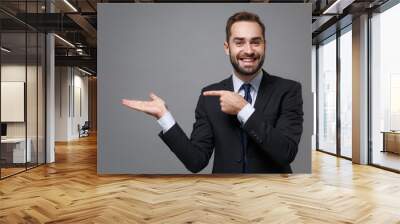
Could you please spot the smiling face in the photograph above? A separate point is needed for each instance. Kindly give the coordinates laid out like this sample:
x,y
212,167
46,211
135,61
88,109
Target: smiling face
x,y
246,47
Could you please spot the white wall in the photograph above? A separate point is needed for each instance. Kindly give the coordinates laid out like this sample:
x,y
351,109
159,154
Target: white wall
x,y
62,81
17,73
80,89
14,73
33,126
70,83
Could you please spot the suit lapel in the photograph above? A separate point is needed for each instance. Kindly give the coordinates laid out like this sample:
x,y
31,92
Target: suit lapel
x,y
264,91
227,84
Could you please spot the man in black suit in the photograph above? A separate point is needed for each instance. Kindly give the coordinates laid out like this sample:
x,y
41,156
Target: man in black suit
x,y
254,120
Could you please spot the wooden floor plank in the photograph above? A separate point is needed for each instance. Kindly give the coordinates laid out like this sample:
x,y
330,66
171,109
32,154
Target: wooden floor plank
x,y
70,191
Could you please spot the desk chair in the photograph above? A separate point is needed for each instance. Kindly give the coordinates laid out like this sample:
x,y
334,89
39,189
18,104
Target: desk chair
x,y
84,130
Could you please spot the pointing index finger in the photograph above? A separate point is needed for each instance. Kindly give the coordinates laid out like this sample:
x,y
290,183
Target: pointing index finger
x,y
214,93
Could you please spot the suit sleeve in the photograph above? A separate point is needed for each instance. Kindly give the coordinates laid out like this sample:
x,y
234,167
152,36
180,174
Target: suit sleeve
x,y
280,140
195,152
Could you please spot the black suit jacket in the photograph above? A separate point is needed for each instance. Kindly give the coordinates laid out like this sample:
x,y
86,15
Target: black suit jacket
x,y
274,131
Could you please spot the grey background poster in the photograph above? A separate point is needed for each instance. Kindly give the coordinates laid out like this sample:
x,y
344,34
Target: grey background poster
x,y
175,50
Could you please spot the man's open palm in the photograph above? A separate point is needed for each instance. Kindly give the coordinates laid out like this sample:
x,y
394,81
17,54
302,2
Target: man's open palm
x,y
154,107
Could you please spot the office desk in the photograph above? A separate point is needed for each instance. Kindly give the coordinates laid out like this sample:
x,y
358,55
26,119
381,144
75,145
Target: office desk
x,y
391,141
15,148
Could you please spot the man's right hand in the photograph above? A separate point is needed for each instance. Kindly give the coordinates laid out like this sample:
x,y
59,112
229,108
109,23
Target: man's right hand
x,y
155,107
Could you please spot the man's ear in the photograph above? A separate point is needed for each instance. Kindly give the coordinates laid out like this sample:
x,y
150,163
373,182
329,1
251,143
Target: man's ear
x,y
226,48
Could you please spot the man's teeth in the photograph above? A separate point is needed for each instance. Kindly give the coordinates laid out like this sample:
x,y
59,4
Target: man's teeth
x,y
248,59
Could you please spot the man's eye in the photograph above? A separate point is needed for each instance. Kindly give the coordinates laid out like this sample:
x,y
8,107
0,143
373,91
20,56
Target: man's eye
x,y
239,43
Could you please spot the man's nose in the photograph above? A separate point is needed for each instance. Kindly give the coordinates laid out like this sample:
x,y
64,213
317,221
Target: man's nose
x,y
248,48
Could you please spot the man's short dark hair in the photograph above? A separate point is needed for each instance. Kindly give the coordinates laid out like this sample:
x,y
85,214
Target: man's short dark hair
x,y
243,16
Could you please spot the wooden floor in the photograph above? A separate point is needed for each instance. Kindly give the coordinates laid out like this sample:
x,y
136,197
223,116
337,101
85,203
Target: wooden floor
x,y
70,191
387,159
5,172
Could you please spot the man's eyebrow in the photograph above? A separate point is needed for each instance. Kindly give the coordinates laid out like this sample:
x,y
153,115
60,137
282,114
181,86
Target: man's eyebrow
x,y
242,38
257,38
238,38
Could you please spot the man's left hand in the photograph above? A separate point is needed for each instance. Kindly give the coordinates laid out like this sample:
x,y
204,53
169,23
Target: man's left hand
x,y
231,102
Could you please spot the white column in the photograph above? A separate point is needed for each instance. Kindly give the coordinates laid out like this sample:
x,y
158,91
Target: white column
x,y
360,90
50,90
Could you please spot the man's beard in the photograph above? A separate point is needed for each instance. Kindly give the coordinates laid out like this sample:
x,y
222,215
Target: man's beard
x,y
244,71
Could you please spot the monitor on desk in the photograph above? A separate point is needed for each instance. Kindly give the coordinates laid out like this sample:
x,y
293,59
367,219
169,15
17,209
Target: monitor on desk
x,y
3,129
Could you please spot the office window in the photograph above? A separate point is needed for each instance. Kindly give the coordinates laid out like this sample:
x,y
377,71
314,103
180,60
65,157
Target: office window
x,y
327,95
385,88
346,92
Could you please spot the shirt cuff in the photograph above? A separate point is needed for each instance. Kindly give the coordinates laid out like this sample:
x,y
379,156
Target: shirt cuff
x,y
166,121
245,113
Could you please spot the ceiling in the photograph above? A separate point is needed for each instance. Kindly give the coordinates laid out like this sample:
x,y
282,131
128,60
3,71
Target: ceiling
x,y
76,22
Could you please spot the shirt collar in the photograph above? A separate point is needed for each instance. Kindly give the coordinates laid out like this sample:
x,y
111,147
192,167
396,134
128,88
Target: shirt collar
x,y
255,82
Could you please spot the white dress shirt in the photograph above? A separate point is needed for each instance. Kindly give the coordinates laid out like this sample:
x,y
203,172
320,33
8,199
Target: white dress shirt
x,y
167,120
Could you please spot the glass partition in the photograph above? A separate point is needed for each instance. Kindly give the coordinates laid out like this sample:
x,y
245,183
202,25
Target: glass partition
x,y
14,151
41,87
22,77
32,95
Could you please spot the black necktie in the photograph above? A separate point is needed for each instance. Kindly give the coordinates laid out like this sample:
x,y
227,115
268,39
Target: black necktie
x,y
247,96
243,136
